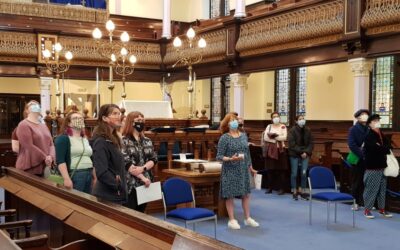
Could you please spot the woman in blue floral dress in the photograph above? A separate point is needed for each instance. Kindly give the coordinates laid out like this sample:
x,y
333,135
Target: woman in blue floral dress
x,y
234,153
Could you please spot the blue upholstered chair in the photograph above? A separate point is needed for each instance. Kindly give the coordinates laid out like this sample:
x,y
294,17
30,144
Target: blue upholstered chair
x,y
177,191
322,179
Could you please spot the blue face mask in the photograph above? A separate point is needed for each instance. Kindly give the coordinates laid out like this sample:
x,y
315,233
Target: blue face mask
x,y
35,108
233,124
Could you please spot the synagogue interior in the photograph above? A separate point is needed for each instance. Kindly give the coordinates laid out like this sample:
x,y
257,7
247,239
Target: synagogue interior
x,y
195,69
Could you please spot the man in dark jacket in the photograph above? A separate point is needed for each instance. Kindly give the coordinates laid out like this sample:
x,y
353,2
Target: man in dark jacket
x,y
355,140
300,149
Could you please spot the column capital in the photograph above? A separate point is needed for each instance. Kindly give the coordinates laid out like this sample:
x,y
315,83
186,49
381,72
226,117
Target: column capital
x,y
239,80
361,66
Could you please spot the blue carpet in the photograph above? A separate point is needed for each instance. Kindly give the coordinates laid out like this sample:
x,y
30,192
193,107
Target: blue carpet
x,y
284,225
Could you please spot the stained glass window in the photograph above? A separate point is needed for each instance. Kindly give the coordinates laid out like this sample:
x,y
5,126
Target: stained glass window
x,y
301,83
220,94
216,99
282,103
382,89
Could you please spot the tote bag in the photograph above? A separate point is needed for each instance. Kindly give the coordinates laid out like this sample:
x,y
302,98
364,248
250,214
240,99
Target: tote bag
x,y
392,168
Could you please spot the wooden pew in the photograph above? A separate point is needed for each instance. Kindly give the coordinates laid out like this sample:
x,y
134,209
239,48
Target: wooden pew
x,y
67,215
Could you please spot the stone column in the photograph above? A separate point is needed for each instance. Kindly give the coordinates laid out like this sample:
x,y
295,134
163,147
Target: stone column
x,y
166,32
45,83
240,10
361,67
238,81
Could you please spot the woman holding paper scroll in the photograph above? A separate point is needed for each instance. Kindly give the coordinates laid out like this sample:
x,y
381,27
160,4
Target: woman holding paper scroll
x,y
139,157
234,153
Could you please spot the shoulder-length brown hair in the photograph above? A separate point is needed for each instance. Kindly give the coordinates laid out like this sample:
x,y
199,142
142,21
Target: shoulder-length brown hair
x,y
65,128
224,126
103,129
128,128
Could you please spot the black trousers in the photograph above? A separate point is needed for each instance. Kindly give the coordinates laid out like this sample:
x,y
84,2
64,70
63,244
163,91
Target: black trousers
x,y
276,179
132,202
357,182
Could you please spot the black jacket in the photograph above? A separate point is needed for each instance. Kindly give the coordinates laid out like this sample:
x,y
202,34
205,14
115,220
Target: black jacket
x,y
295,140
109,164
376,150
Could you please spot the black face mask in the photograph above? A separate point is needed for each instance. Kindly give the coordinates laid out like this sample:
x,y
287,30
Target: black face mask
x,y
139,126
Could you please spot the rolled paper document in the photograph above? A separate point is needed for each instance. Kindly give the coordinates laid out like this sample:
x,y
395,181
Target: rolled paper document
x,y
210,167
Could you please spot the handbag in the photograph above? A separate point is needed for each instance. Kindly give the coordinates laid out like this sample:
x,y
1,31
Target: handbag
x,y
55,176
392,168
352,158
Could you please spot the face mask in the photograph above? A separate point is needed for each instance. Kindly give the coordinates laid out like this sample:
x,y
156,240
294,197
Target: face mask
x,y
301,123
276,120
233,124
363,118
77,124
376,125
139,126
35,108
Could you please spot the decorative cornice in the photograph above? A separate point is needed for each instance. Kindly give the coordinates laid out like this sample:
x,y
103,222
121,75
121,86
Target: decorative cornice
x,y
23,47
361,67
382,14
325,20
74,13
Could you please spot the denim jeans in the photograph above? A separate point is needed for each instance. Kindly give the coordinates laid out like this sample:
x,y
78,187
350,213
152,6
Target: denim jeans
x,y
294,162
82,180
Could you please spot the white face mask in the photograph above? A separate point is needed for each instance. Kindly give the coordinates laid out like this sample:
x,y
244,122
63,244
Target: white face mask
x,y
363,118
276,120
376,125
301,123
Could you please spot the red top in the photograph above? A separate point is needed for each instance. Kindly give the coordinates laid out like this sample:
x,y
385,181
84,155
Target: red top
x,y
35,144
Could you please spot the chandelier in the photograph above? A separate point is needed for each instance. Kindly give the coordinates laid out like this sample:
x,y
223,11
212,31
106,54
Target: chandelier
x,y
58,67
189,56
119,57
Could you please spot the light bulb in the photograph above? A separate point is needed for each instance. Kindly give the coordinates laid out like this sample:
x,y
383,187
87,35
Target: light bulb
x,y
132,59
124,37
46,53
177,42
57,47
124,52
96,33
202,43
68,55
110,26
113,58
190,33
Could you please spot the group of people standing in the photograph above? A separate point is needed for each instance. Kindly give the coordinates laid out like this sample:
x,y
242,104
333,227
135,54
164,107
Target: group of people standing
x,y
300,147
371,148
115,161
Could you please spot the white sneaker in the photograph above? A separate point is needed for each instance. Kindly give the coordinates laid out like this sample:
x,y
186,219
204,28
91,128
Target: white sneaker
x,y
355,207
251,222
233,224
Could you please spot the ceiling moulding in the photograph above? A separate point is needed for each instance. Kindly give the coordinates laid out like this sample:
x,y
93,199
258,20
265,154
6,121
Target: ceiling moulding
x,y
55,11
